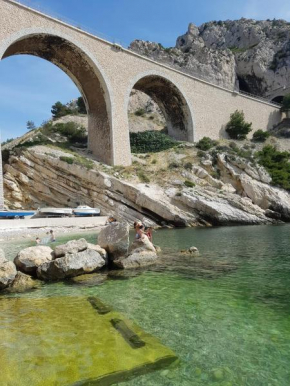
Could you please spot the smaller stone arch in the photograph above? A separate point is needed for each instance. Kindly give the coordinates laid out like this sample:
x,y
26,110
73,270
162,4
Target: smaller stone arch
x,y
170,99
278,99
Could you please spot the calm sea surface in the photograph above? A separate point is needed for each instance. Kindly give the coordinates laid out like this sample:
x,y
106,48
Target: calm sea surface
x,y
225,314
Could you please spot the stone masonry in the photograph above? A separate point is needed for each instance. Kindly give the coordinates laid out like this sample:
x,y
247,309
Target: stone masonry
x,y
106,73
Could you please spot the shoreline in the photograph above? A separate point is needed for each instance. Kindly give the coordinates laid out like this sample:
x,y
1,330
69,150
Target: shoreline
x,y
32,233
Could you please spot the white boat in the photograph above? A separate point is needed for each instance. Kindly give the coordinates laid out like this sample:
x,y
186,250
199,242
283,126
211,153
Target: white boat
x,y
84,210
55,212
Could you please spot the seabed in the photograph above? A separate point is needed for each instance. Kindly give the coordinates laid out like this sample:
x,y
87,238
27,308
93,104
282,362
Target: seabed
x,y
73,341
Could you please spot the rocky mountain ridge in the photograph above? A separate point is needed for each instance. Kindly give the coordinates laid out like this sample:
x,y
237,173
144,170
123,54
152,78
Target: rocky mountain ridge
x,y
245,54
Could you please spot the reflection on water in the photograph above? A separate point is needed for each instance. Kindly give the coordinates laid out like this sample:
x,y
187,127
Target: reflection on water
x,y
226,314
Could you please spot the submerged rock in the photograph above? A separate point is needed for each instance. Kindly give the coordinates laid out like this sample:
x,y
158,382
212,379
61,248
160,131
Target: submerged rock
x,y
29,259
22,283
7,271
115,240
89,280
72,264
72,246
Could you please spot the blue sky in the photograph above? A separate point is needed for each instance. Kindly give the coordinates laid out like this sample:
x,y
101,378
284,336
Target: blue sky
x,y
29,86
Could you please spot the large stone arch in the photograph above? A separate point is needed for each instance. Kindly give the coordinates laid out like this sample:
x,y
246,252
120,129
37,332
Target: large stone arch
x,y
171,99
85,72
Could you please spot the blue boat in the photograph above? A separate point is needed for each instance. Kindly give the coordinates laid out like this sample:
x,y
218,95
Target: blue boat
x,y
15,214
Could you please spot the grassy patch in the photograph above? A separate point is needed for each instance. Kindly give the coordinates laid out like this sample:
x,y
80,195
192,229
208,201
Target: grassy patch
x,y
142,177
189,184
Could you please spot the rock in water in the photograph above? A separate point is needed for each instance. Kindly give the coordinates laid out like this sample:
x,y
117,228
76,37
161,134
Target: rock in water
x,y
141,254
72,264
23,283
115,240
29,259
72,246
7,271
100,250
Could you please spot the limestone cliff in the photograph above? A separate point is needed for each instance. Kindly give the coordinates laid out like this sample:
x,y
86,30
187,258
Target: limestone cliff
x,y
181,188
247,54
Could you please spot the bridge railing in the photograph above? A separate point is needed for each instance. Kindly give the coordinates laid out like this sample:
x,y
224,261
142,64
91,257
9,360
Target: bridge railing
x,y
37,7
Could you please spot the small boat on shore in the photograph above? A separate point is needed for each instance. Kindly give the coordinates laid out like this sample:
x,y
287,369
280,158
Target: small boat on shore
x,y
55,212
15,214
84,210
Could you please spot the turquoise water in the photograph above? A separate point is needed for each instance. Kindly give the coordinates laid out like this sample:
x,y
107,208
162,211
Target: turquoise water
x,y
226,314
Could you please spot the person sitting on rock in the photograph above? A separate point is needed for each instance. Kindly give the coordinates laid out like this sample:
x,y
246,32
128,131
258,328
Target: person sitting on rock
x,y
111,220
37,240
148,232
137,225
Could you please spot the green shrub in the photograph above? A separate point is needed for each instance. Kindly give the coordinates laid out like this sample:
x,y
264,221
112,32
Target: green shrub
x,y
69,160
206,143
277,164
260,135
154,161
285,103
237,127
189,184
234,146
143,177
173,165
188,165
140,112
72,131
7,141
59,110
150,142
81,105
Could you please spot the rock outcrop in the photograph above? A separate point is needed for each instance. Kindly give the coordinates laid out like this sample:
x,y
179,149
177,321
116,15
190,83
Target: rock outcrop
x,y
29,259
247,54
7,271
72,264
23,283
72,246
140,254
115,240
219,188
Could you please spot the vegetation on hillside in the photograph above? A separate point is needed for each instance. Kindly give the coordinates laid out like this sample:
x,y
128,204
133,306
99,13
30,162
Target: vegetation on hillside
x,y
206,143
277,164
260,136
286,103
150,142
237,127
59,110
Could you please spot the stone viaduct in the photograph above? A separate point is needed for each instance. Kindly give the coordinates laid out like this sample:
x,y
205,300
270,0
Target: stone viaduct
x,y
106,73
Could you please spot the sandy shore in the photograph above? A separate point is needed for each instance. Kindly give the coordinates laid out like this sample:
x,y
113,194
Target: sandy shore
x,y
22,234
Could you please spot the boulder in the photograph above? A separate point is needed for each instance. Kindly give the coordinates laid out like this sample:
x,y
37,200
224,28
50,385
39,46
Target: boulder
x,y
29,259
100,250
23,283
70,265
115,240
72,246
7,271
141,254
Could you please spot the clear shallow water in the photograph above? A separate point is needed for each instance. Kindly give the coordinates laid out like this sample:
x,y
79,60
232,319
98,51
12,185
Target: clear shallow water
x,y
226,314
